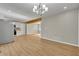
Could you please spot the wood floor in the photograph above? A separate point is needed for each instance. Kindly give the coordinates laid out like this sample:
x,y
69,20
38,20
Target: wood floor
x,y
29,45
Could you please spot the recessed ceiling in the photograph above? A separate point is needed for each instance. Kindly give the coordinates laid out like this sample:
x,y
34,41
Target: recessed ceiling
x,y
23,11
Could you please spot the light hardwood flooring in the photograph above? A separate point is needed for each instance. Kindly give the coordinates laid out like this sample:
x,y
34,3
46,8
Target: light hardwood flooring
x,y
29,45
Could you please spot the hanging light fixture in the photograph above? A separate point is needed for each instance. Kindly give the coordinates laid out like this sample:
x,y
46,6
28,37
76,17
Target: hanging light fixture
x,y
40,9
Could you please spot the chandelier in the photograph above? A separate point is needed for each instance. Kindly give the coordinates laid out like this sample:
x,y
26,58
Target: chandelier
x,y
40,9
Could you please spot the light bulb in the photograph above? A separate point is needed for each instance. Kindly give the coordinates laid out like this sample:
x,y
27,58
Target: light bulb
x,y
35,7
65,8
46,9
44,6
43,12
33,10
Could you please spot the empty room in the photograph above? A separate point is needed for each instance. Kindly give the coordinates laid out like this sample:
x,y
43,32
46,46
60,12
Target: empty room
x,y
39,29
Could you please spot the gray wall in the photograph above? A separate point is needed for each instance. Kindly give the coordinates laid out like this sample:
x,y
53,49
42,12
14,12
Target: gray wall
x,y
78,27
6,32
62,27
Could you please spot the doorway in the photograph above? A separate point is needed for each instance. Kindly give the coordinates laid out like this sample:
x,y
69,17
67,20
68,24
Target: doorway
x,y
34,27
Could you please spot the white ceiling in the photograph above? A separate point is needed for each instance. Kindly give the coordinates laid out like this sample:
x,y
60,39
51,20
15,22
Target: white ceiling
x,y
23,11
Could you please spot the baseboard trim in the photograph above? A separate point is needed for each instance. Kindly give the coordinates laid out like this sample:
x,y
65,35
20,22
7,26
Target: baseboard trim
x,y
60,41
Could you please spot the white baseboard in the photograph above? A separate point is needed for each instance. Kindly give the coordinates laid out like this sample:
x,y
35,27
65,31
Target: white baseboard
x,y
60,41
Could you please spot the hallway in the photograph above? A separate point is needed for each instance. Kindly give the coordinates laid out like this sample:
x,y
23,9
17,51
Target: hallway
x,y
29,45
